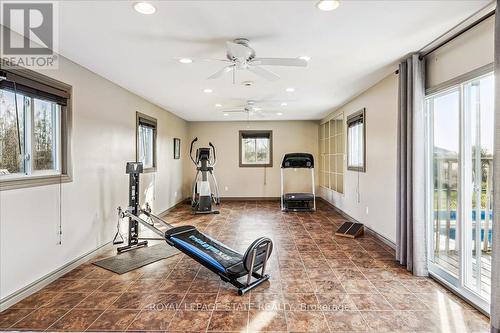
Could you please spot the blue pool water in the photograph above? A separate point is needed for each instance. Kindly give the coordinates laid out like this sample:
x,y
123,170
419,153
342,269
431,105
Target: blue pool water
x,y
453,216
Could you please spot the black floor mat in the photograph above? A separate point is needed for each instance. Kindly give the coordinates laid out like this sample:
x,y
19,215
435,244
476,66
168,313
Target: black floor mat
x,y
128,261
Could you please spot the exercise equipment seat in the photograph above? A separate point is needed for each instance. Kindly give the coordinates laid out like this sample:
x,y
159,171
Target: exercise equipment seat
x,y
221,259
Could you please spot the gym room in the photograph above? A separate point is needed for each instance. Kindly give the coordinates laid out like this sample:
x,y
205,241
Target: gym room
x,y
250,166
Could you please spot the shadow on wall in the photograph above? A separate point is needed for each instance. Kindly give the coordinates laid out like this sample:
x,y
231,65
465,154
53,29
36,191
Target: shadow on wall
x,y
104,202
148,194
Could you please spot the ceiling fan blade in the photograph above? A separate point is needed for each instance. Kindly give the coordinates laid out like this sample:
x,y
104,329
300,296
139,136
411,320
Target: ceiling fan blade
x,y
213,60
238,51
295,62
198,60
221,72
267,74
233,111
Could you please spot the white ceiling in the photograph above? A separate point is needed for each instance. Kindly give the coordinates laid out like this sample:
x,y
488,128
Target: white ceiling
x,y
351,48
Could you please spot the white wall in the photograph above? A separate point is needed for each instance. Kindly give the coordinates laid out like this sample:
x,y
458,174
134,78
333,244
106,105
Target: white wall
x,y
288,137
103,140
471,50
377,186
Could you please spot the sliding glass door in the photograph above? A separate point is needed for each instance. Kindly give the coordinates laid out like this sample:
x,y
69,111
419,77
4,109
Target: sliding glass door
x,y
445,144
459,164
478,142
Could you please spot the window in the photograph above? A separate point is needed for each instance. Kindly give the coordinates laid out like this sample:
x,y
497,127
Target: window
x,y
146,142
34,130
256,149
331,166
356,148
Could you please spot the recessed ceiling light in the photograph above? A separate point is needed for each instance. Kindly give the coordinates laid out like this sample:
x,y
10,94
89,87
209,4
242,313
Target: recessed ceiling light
x,y
284,104
327,5
185,60
207,90
218,105
257,109
306,58
279,113
290,89
226,114
144,8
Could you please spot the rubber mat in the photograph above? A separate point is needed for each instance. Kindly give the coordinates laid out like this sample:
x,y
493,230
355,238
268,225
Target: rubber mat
x,y
130,260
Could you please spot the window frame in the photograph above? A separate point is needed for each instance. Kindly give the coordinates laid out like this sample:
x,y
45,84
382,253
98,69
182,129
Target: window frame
x,y
352,119
142,118
268,134
44,88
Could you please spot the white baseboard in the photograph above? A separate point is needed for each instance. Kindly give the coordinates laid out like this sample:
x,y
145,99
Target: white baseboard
x,y
35,286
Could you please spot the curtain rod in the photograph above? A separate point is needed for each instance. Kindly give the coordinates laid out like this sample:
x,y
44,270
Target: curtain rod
x,y
462,31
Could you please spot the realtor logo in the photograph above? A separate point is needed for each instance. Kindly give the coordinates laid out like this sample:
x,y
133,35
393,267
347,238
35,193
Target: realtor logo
x,y
29,34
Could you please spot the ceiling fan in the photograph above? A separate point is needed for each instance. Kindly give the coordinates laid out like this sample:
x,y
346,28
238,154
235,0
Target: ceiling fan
x,y
241,56
251,107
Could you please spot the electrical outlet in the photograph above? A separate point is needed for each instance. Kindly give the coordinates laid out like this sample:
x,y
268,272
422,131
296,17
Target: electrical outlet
x,y
226,188
175,194
367,210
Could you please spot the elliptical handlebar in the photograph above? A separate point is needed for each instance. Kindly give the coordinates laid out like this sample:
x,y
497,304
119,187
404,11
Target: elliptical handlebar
x,y
191,150
215,156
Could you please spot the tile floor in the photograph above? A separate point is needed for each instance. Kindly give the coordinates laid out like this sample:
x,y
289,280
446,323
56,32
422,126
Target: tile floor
x,y
320,283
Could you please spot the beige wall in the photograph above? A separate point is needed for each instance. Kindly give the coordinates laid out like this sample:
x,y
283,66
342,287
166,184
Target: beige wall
x,y
465,53
288,136
103,141
377,186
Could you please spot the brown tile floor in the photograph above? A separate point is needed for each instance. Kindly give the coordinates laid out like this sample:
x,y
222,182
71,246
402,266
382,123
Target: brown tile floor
x,y
319,283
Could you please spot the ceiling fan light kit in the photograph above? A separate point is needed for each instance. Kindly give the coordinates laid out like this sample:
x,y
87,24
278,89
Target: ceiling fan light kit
x,y
247,83
241,56
253,108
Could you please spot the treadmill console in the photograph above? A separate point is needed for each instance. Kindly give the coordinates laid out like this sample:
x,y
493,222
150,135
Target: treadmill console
x,y
297,160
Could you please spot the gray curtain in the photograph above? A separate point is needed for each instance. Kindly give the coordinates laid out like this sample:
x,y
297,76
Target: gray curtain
x,y
411,231
495,264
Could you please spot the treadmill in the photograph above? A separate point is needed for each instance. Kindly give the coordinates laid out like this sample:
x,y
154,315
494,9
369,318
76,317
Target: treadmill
x,y
296,202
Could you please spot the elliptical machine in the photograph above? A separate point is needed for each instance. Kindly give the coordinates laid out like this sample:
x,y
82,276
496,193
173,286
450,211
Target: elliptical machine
x,y
202,197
